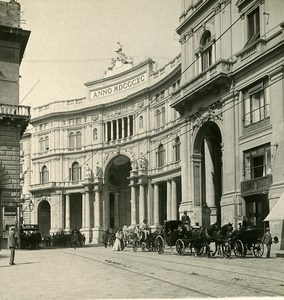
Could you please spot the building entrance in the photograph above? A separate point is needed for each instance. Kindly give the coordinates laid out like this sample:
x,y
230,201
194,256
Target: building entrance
x,y
75,211
117,204
207,167
44,218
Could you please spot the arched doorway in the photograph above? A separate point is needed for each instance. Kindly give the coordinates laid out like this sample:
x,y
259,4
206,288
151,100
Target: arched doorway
x,y
207,160
44,218
118,206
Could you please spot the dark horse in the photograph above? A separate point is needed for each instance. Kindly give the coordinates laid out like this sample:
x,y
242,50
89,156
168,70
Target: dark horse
x,y
221,236
196,238
149,241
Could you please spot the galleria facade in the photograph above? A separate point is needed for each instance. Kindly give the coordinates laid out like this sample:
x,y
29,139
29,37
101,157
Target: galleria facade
x,y
203,134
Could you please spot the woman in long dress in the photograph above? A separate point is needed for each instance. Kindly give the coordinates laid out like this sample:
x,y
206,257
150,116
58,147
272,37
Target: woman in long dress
x,y
117,243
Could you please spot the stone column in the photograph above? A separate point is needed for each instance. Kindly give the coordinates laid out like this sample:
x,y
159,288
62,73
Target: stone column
x,y
156,204
141,203
117,129
83,210
128,126
87,210
111,130
116,211
106,132
210,189
97,209
169,200
97,217
67,213
174,200
133,205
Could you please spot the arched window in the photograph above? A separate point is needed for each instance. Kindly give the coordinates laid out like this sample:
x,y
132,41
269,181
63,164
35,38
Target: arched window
x,y
163,116
206,45
160,156
177,149
141,123
158,117
71,140
75,172
44,175
78,139
95,134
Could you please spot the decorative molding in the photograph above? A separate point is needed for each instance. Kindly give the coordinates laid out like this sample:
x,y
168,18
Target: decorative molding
x,y
211,113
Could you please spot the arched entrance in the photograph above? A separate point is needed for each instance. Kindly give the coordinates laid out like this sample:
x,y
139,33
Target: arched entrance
x,y
44,218
207,159
117,204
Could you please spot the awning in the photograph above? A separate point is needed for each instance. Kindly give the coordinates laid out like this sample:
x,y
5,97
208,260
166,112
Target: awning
x,y
277,211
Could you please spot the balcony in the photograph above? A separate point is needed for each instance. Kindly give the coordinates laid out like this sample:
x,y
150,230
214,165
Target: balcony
x,y
15,115
55,185
211,80
256,185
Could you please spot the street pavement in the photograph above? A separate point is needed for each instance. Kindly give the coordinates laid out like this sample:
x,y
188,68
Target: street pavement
x,y
99,273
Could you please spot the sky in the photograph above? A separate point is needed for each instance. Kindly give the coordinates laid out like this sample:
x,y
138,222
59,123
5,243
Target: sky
x,y
72,42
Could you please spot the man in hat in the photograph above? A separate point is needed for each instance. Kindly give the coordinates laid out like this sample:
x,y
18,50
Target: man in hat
x,y
12,244
267,240
186,221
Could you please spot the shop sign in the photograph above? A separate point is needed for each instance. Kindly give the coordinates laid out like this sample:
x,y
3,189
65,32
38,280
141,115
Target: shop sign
x,y
256,186
118,87
10,211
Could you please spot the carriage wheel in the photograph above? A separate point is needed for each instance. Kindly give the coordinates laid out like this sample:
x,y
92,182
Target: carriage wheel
x,y
258,249
227,250
143,246
239,249
159,244
180,248
135,246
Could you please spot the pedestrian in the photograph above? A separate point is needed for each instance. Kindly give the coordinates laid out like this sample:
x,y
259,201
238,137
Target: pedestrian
x,y
74,239
267,240
117,243
105,238
186,221
12,244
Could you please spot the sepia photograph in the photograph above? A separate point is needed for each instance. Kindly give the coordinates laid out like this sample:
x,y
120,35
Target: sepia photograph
x,y
141,149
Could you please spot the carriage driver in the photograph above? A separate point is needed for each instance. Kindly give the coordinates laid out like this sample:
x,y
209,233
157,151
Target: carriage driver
x,y
145,228
186,221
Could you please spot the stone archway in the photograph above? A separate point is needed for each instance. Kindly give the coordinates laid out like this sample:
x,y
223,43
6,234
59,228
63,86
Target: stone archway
x,y
117,206
207,169
44,218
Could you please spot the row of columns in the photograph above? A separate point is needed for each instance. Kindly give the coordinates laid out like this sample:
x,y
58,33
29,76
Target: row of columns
x,y
120,128
171,203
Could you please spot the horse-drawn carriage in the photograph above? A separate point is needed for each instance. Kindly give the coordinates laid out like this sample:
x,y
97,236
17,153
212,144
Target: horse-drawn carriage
x,y
176,234
248,241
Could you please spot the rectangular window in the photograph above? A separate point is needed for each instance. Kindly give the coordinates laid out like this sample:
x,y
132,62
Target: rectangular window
x,y
256,105
257,162
253,26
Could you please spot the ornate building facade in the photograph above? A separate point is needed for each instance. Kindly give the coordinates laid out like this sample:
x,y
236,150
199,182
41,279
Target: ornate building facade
x,y
203,134
13,117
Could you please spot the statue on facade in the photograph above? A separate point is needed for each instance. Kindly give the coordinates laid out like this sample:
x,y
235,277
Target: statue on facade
x,y
133,163
142,163
98,170
120,58
87,172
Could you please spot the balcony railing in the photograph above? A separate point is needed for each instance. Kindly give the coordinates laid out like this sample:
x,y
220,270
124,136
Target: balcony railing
x,y
11,111
256,185
54,184
215,75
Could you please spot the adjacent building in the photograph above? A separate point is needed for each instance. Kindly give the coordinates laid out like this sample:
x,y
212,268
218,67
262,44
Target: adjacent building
x,y
13,117
203,134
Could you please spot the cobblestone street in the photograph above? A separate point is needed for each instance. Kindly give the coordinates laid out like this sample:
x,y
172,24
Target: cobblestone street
x,y
96,272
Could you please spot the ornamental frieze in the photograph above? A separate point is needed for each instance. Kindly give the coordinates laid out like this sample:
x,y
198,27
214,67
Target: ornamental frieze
x,y
211,113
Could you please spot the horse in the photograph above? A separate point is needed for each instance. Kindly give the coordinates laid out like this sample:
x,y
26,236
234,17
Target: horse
x,y
220,235
197,238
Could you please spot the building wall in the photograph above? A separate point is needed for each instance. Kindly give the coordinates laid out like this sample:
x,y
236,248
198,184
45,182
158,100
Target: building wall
x,y
202,95
14,118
